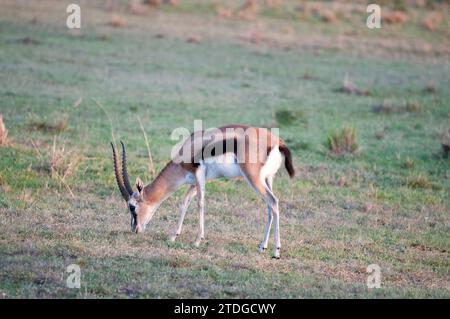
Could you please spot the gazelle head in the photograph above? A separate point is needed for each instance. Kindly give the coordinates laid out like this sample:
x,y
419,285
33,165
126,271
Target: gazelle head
x,y
140,210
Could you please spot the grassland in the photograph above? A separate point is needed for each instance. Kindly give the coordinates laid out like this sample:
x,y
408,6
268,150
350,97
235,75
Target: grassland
x,y
389,205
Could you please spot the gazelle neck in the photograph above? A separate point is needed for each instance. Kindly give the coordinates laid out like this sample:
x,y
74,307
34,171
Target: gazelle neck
x,y
171,177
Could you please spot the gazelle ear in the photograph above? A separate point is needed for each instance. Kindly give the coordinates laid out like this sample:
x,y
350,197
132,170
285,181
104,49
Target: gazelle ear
x,y
139,184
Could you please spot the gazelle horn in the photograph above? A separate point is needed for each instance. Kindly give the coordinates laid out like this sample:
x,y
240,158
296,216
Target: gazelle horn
x,y
126,180
119,180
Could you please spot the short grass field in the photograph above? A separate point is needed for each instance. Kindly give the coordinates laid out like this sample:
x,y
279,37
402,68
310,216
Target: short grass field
x,y
64,93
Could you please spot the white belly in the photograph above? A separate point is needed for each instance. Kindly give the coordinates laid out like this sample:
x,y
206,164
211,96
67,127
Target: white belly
x,y
225,165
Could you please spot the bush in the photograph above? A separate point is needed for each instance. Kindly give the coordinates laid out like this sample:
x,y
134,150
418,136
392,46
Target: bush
x,y
57,124
343,141
287,118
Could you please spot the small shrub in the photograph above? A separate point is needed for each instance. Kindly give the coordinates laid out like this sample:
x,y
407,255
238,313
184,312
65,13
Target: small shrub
x,y
386,107
137,8
3,132
399,5
117,21
349,88
432,21
296,145
412,107
59,162
57,125
194,39
29,41
248,11
395,17
153,3
408,163
430,88
419,181
287,118
343,141
380,135
328,16
224,12
445,142
308,76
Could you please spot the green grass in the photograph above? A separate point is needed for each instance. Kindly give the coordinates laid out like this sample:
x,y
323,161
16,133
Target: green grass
x,y
338,216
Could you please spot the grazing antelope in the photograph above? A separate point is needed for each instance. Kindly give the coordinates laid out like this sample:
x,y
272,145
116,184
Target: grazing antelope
x,y
230,151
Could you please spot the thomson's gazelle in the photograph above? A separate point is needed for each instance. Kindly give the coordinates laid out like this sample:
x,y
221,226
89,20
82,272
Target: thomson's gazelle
x,y
230,151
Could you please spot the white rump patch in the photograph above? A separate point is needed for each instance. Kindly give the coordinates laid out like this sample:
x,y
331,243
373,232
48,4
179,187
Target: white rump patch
x,y
272,165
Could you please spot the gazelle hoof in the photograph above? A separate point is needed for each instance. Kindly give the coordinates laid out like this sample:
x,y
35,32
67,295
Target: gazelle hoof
x,y
261,248
173,237
277,253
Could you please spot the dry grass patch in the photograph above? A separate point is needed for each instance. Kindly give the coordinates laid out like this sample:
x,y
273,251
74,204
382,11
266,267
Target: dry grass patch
x,y
430,88
59,162
57,125
343,142
194,39
328,16
408,163
412,107
388,107
419,182
29,41
248,11
224,12
137,8
433,21
349,88
395,17
287,118
117,21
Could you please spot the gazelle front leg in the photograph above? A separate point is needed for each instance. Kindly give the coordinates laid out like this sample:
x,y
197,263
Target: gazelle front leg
x,y
272,203
187,200
276,217
200,176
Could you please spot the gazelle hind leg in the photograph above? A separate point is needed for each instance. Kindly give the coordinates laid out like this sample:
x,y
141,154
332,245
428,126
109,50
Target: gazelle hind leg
x,y
273,203
201,179
276,222
265,240
187,200
260,185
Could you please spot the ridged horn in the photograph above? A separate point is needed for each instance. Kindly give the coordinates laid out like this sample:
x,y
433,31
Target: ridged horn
x,y
119,179
126,180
